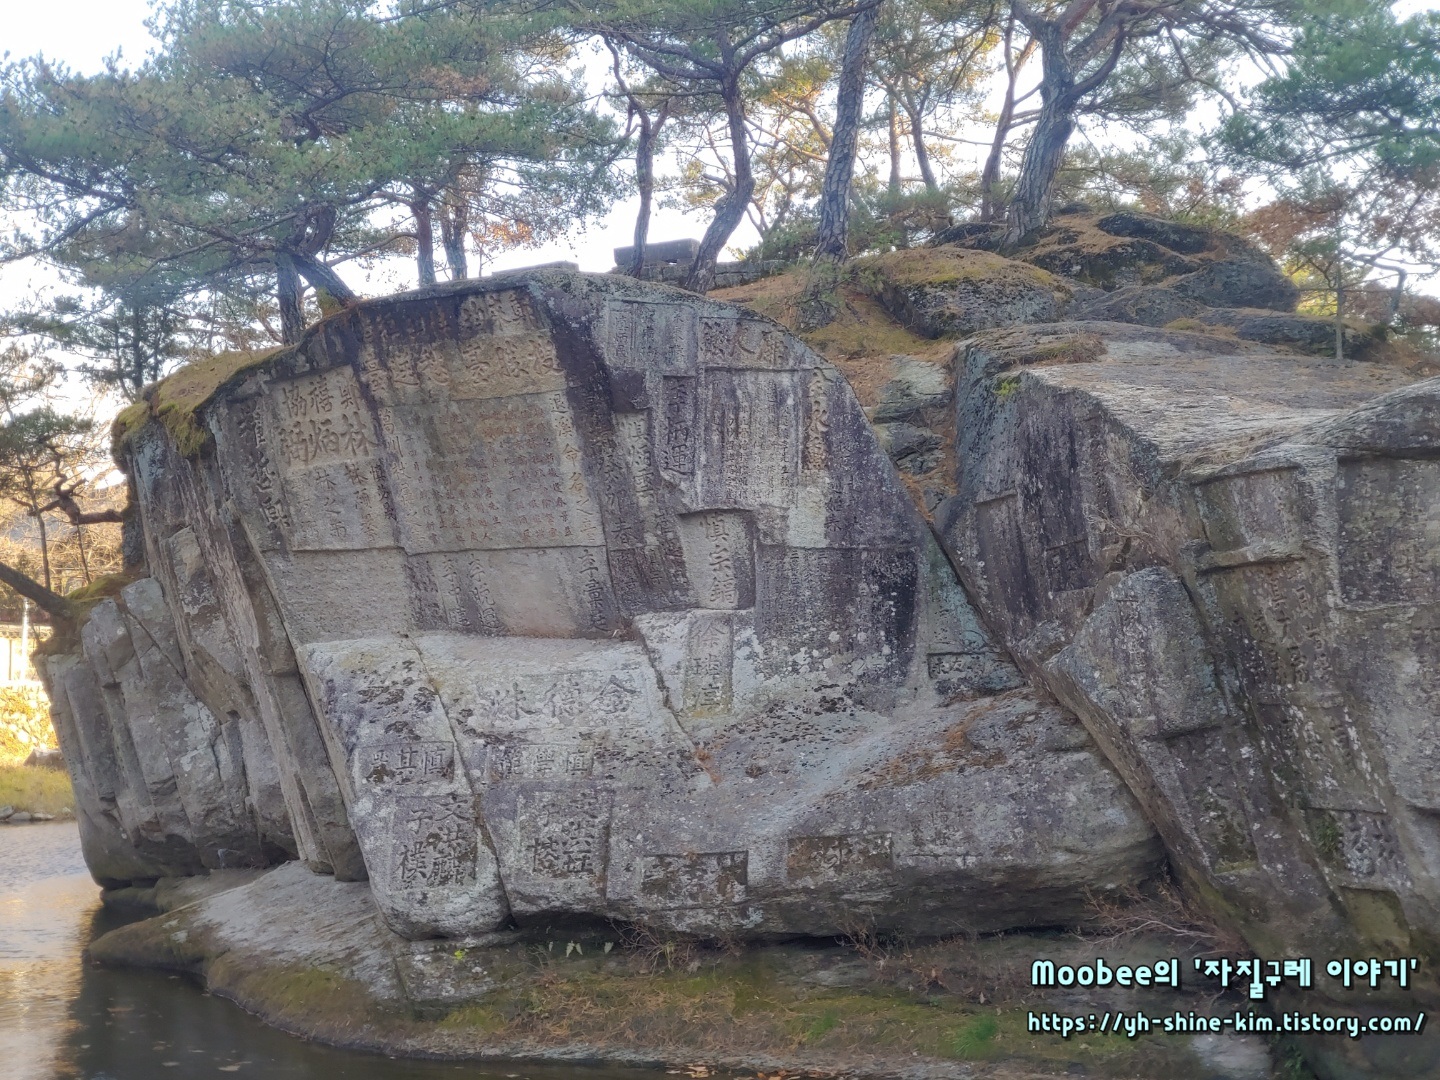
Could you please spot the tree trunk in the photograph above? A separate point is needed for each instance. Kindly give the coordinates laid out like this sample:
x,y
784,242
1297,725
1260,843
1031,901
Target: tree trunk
x,y
922,155
36,593
730,208
424,240
840,166
454,223
989,209
44,551
1030,205
894,184
287,293
84,558
645,180
331,292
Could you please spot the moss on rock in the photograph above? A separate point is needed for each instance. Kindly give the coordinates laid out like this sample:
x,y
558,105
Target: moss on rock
x,y
176,401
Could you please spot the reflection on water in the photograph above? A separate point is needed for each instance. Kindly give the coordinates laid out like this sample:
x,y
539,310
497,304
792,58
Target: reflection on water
x,y
63,1020
46,902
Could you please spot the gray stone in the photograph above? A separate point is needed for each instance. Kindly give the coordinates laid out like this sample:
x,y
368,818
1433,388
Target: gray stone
x,y
1239,282
1232,1056
1218,558
585,600
46,759
1186,239
901,440
6,811
1306,333
664,252
20,817
917,386
953,291
1148,305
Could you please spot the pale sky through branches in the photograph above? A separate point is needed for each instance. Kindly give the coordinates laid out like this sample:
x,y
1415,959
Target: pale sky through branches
x,y
81,34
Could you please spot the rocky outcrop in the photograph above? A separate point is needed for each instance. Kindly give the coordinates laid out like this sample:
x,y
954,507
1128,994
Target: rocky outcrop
x,y
952,291
567,597
1223,560
562,601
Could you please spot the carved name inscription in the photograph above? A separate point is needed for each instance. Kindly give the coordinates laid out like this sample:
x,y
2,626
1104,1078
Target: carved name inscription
x,y
540,761
719,558
435,842
752,429
574,698
984,671
737,342
492,367
406,763
1389,531
708,662
571,831
695,879
266,486
815,859
652,336
677,443
1369,849
322,440
320,419
496,473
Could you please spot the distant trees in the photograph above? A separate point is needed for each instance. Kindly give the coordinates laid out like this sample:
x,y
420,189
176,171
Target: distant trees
x,y
1349,133
264,148
269,139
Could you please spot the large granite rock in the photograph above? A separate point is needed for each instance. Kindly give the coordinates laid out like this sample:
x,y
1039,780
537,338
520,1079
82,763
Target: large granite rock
x,y
561,597
1225,561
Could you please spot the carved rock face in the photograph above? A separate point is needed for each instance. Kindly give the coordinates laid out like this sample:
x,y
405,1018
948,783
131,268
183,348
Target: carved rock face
x,y
606,602
1225,562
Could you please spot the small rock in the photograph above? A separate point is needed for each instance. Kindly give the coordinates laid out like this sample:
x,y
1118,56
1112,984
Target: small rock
x,y
46,759
42,817
901,440
915,386
1148,305
6,811
20,817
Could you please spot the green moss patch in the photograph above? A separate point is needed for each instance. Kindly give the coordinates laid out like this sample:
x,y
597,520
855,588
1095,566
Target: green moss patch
x,y
176,400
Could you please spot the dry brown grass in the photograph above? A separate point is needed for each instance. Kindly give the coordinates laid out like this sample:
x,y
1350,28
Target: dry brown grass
x,y
36,791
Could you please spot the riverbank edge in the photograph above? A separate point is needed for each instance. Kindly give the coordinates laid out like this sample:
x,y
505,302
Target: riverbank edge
x,y
734,1010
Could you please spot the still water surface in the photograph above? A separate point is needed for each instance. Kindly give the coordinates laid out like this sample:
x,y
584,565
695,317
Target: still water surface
x,y
62,1019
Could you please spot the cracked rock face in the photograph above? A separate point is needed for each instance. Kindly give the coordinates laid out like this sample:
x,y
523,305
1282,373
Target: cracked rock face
x,y
554,596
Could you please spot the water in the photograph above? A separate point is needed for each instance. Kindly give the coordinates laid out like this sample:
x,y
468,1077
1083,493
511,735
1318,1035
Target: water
x,y
62,1019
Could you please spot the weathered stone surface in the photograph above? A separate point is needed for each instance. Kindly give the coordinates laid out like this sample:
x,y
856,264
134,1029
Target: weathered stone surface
x,y
904,441
1148,305
1175,235
1305,333
1225,565
564,597
916,387
951,291
1243,282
